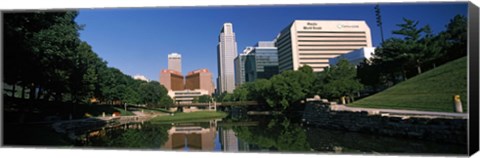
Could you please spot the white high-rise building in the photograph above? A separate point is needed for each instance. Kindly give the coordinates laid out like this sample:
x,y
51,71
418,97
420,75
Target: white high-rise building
x,y
227,51
314,42
175,62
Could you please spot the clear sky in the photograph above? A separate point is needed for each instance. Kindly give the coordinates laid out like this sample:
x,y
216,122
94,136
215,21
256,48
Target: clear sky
x,y
138,40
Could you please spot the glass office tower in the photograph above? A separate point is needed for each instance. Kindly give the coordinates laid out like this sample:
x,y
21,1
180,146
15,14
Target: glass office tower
x,y
261,62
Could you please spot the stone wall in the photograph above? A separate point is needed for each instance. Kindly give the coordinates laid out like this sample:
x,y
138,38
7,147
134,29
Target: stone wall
x,y
441,129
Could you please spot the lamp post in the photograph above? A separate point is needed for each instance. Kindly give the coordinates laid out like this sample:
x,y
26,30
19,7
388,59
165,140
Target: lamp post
x,y
379,20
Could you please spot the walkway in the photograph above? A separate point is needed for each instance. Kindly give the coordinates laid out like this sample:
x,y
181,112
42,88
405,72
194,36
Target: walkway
x,y
340,107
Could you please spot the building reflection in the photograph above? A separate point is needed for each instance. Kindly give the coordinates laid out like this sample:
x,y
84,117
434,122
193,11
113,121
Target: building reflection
x,y
230,142
192,136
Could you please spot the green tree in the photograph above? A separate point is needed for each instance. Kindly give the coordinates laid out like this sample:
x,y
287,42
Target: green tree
x,y
204,99
340,81
41,49
152,93
454,38
290,87
241,94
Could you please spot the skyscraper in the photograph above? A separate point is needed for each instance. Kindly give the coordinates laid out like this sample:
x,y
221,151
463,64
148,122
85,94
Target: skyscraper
x,y
262,62
175,62
314,42
227,51
240,66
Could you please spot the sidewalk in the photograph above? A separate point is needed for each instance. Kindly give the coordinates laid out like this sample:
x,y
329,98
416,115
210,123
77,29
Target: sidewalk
x,y
340,107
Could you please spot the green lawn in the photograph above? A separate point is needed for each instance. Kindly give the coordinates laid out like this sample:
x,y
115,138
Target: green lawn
x,y
200,115
430,91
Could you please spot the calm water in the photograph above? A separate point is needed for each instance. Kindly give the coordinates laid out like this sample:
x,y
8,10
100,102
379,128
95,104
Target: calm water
x,y
255,134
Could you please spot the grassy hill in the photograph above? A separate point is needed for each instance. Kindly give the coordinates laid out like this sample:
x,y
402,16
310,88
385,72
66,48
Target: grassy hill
x,y
430,91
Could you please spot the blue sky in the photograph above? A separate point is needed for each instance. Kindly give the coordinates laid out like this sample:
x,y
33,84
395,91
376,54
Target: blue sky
x,y
138,40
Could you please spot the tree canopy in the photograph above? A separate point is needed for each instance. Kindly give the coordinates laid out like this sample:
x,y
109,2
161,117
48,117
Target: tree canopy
x,y
414,50
45,56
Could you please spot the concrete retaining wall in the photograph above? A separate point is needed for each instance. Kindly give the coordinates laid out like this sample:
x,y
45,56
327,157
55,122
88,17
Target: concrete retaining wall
x,y
441,129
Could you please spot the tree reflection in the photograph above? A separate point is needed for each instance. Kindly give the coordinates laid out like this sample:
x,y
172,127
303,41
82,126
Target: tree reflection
x,y
277,134
145,136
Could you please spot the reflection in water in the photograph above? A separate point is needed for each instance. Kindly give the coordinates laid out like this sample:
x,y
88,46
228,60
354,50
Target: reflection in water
x,y
191,136
138,135
257,133
228,139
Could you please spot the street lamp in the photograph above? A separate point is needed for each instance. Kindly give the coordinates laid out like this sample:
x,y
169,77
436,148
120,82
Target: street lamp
x,y
379,20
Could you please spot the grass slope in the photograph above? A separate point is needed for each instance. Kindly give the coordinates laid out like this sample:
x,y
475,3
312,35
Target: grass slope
x,y
430,91
189,116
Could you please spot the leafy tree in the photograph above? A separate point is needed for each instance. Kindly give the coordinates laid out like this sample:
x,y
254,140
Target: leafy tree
x,y
240,94
166,101
454,38
228,97
340,81
152,93
369,74
204,99
290,87
45,54
42,46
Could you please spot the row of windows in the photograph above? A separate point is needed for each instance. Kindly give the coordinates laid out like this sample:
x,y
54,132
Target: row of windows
x,y
313,62
339,49
304,36
332,40
283,41
343,45
321,54
339,32
285,67
286,59
282,56
315,58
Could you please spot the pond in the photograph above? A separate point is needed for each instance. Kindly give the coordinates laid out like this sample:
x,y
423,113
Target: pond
x,y
255,134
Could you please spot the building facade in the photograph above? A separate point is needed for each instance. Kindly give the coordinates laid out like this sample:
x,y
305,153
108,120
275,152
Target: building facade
x,y
175,62
172,80
314,42
199,79
240,66
354,57
186,96
226,52
262,61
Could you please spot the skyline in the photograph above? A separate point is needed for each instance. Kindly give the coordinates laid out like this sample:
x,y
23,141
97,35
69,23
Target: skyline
x,y
137,41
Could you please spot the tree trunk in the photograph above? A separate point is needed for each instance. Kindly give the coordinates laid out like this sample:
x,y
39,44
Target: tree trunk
x,y
32,91
23,91
342,99
39,93
419,69
13,90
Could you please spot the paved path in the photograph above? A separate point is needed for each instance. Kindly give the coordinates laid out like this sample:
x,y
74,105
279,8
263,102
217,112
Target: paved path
x,y
400,112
